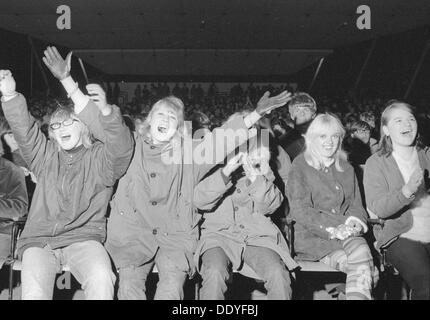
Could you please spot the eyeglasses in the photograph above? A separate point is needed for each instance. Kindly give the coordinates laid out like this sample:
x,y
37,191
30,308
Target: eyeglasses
x,y
362,131
65,123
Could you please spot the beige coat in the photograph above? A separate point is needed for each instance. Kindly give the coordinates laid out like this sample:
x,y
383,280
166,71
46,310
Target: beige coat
x,y
237,215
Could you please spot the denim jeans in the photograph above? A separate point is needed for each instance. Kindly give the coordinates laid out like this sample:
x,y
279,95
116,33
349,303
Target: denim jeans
x,y
132,279
88,262
216,269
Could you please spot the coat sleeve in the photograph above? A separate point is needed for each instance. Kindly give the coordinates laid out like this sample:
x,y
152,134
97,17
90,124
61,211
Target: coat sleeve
x,y
13,192
211,190
356,208
219,143
35,147
266,197
301,208
379,199
114,154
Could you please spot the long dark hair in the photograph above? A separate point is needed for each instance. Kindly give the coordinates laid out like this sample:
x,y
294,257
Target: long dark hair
x,y
385,147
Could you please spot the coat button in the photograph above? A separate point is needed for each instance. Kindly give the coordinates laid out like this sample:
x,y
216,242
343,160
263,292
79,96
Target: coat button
x,y
236,208
154,203
238,191
152,175
337,188
154,231
121,213
241,226
333,210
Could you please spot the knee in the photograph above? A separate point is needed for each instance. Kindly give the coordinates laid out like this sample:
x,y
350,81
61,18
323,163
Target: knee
x,y
277,273
101,277
216,271
358,250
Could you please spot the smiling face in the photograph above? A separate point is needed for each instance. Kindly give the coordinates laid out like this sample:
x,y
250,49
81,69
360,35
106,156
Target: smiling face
x,y
163,124
327,142
401,127
67,132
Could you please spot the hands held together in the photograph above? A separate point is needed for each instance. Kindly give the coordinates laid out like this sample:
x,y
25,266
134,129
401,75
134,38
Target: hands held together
x,y
251,168
344,231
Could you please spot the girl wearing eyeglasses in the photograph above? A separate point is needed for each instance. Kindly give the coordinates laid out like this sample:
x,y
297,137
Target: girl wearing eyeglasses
x,y
66,224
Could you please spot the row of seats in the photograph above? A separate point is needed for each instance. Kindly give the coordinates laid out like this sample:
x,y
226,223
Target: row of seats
x,y
305,266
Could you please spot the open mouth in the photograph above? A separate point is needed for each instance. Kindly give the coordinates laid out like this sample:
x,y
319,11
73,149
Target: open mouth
x,y
162,129
66,137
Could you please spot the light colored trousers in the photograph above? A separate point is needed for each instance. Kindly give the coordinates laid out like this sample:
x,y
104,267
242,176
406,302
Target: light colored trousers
x,y
132,280
216,270
88,262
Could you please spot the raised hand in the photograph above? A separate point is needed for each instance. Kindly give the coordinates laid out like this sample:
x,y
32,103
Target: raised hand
x,y
98,95
59,67
233,164
7,83
414,182
252,168
265,105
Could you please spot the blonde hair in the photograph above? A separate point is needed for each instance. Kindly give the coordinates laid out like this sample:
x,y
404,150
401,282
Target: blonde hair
x,y
319,125
66,112
177,106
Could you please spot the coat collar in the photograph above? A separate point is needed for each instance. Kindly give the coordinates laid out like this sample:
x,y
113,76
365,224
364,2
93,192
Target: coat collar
x,y
73,155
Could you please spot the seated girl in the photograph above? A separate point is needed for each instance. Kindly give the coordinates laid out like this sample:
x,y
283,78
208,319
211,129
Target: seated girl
x,y
238,200
326,206
396,191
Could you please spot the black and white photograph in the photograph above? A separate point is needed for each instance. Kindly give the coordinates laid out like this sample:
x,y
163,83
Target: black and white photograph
x,y
237,151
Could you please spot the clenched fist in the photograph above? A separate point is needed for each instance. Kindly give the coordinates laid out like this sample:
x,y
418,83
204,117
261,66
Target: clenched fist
x,y
7,83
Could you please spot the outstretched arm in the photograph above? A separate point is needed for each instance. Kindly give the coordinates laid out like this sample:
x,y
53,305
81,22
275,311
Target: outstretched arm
x,y
232,134
34,146
60,69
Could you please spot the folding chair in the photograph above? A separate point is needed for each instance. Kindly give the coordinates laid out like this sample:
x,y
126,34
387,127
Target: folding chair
x,y
305,265
17,226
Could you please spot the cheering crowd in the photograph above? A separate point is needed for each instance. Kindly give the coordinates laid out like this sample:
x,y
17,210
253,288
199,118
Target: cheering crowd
x,y
111,192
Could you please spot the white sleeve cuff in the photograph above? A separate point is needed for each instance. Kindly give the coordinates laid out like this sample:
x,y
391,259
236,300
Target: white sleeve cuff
x,y
79,99
251,119
365,228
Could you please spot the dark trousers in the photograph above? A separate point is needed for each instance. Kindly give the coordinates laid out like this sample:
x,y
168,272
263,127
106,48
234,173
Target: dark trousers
x,y
412,260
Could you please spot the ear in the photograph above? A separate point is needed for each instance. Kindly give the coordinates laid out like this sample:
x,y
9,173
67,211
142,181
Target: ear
x,y
385,130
